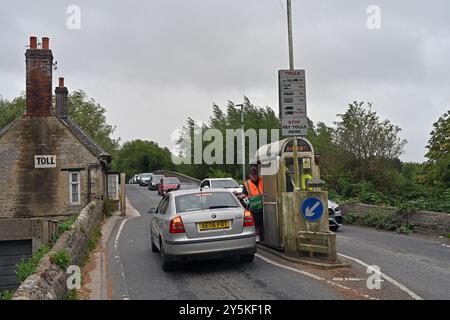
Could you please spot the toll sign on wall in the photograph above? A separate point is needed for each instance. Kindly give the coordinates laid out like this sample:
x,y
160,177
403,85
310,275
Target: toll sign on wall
x,y
45,161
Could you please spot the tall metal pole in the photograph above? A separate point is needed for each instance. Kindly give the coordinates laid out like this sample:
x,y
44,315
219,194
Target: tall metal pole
x,y
291,46
243,143
242,140
291,67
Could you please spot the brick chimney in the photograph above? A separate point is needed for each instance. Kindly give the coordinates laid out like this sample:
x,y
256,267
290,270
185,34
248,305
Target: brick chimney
x,y
61,93
39,64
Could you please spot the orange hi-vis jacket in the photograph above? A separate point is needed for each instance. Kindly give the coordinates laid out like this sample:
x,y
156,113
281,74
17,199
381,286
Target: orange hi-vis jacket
x,y
252,189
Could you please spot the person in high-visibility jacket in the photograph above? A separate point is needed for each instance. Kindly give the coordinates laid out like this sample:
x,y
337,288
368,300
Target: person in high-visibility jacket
x,y
305,177
253,190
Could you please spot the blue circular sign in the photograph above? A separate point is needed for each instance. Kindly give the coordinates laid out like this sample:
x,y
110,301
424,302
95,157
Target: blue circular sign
x,y
312,209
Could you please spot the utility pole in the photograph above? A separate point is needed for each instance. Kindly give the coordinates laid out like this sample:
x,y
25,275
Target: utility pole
x,y
242,141
291,67
291,45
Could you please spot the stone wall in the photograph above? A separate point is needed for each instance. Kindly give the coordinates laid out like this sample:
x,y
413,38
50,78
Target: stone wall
x,y
49,281
436,223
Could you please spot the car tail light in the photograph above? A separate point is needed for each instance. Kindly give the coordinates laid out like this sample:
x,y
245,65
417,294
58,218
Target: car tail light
x,y
176,225
249,221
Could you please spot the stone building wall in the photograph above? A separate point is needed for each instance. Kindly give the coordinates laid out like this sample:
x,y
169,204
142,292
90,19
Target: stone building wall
x,y
30,192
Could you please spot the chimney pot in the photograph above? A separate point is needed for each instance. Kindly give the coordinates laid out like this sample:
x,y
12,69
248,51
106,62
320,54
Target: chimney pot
x,y
45,43
39,68
33,42
61,95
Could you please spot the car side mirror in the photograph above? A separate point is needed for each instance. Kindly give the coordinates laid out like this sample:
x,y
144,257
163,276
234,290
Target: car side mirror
x,y
242,186
151,210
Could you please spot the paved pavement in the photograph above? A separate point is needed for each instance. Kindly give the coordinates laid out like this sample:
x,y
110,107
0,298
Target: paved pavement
x,y
136,271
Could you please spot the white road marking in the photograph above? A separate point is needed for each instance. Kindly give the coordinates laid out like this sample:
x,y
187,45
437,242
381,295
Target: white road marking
x,y
392,281
313,276
126,295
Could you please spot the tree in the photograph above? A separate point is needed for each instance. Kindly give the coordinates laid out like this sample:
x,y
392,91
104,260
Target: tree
x,y
10,110
438,164
91,117
366,138
255,118
141,156
88,114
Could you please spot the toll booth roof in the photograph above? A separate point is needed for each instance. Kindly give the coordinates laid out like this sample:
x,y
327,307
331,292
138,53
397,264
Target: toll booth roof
x,y
270,151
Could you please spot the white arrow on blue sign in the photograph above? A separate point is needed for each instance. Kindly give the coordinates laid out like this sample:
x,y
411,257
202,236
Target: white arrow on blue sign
x,y
312,209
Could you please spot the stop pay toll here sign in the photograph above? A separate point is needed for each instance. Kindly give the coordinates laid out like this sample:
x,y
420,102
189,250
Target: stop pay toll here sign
x,y
292,94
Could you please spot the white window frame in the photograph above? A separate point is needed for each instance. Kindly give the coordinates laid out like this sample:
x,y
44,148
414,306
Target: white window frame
x,y
116,196
71,183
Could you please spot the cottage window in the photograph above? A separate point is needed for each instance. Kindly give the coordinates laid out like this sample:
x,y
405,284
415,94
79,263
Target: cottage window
x,y
113,186
74,186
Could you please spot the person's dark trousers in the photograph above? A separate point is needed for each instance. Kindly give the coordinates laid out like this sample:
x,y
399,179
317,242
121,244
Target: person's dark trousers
x,y
259,223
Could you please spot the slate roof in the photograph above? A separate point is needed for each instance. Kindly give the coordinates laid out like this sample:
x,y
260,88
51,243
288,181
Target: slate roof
x,y
84,138
78,132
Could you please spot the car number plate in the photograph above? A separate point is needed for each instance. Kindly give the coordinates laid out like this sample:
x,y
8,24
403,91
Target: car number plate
x,y
213,225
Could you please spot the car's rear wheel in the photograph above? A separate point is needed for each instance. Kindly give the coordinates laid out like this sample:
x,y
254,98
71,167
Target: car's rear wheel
x,y
334,228
247,258
166,264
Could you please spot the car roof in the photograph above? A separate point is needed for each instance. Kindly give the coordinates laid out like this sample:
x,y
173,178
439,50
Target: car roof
x,y
165,178
194,191
212,179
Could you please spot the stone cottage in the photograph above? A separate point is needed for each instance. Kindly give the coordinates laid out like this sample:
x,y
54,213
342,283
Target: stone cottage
x,y
49,167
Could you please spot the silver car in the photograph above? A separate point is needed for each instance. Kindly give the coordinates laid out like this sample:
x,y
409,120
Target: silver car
x,y
334,215
195,224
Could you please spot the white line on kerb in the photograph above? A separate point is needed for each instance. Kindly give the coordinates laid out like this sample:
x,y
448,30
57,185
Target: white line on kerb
x,y
126,295
313,276
394,282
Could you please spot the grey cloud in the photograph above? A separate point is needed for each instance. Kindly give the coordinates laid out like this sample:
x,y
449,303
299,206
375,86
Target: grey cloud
x,y
160,62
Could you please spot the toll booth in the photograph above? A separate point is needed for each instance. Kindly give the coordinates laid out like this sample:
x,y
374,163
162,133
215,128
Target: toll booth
x,y
295,207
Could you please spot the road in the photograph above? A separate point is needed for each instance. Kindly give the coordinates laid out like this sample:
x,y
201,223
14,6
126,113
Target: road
x,y
136,271
420,264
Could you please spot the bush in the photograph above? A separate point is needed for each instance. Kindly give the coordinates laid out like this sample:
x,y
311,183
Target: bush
x,y
71,295
217,173
109,206
64,226
6,295
27,267
379,220
61,258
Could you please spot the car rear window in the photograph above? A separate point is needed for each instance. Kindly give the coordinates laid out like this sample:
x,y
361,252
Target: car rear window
x,y
171,180
204,201
224,184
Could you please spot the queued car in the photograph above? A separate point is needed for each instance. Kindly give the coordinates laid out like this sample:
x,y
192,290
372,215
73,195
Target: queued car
x,y
193,224
226,183
168,184
138,178
145,178
154,182
134,179
334,215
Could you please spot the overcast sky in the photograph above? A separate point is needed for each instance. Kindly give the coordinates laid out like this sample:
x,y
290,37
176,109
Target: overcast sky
x,y
154,63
